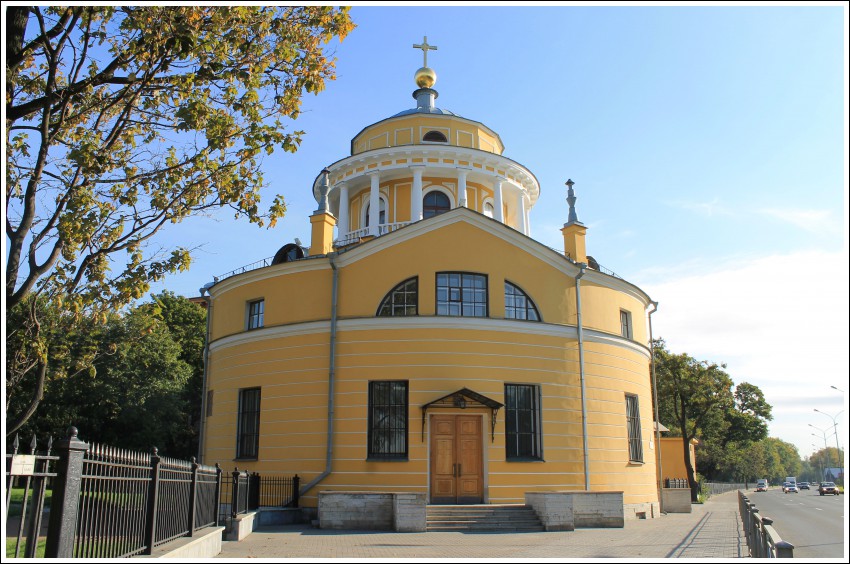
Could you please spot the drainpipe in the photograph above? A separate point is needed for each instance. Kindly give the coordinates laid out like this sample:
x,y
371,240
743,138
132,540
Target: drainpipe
x,y
331,380
208,299
582,269
657,422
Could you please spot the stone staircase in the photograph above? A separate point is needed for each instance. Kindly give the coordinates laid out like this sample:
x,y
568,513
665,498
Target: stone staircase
x,y
481,518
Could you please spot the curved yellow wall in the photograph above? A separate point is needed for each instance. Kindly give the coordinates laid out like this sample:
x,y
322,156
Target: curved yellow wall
x,y
410,129
289,359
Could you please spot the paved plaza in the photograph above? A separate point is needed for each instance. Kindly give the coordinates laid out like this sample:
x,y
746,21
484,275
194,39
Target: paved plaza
x,y
712,530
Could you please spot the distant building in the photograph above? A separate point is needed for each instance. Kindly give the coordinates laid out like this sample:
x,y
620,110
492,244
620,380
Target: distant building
x,y
425,342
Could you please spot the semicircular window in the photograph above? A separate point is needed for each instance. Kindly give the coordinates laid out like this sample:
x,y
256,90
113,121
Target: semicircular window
x,y
435,203
402,300
518,305
288,253
435,136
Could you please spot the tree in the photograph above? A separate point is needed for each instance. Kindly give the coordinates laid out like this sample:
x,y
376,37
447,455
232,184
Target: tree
x,y
692,394
122,120
748,420
144,393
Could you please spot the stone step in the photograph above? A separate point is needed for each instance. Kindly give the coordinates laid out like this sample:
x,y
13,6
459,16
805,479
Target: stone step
x,y
503,518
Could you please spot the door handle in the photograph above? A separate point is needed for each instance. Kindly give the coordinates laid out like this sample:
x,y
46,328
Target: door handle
x,y
454,470
459,469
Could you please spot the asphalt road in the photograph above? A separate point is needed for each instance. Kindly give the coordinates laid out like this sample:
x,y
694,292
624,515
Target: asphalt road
x,y
814,524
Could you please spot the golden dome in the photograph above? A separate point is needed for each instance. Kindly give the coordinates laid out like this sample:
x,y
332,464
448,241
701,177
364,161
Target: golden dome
x,y
425,77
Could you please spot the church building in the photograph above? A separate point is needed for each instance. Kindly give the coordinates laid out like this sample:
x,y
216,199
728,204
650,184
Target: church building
x,y
424,342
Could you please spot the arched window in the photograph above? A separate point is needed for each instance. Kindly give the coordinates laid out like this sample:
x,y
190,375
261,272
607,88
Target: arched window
x,y
382,213
435,136
435,203
518,305
402,300
488,209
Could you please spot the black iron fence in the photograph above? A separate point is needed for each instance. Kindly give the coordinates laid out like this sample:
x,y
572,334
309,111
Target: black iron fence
x,y
762,539
109,502
245,492
33,474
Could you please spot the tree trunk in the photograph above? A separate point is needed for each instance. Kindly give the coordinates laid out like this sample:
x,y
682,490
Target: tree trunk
x,y
692,475
37,396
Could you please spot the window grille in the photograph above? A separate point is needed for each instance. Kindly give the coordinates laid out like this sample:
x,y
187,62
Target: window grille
x,y
633,424
388,419
522,422
248,440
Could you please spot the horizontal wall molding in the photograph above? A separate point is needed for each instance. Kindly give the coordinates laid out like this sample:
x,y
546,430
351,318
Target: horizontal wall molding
x,y
441,323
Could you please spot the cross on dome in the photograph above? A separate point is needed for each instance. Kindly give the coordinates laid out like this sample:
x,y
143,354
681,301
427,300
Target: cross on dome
x,y
425,48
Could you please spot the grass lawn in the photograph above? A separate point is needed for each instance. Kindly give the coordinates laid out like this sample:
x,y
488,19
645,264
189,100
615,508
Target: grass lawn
x,y
10,547
18,495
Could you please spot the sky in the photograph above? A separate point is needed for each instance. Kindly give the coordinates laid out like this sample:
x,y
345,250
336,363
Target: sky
x,y
708,148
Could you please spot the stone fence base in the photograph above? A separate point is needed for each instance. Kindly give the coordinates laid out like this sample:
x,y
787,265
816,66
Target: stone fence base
x,y
388,511
566,511
676,500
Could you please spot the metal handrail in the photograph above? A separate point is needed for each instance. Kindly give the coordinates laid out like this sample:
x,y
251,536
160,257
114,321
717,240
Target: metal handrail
x,y
762,539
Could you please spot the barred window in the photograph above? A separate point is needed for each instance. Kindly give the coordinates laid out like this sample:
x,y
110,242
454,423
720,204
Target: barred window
x,y
522,422
248,433
625,324
402,300
388,419
255,314
633,424
518,305
461,294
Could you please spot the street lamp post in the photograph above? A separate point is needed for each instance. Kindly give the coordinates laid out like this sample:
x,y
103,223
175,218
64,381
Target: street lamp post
x,y
835,429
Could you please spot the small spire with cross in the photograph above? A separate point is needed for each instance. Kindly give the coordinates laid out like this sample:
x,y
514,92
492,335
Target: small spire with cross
x,y
425,48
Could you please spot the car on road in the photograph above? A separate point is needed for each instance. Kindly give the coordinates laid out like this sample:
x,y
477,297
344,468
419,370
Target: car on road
x,y
790,487
827,488
803,485
761,485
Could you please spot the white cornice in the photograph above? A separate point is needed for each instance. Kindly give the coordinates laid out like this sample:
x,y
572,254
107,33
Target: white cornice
x,y
264,273
436,322
338,170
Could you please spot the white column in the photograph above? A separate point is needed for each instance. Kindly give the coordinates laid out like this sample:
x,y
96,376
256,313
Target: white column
x,y
374,204
416,193
461,187
342,211
497,199
520,211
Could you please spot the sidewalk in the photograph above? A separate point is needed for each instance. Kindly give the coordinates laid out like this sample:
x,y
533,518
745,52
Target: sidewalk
x,y
712,530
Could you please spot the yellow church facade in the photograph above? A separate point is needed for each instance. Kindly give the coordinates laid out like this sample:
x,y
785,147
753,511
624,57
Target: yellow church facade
x,y
426,343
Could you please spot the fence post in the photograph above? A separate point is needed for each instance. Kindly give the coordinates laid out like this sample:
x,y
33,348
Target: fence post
x,y
234,498
193,496
153,494
66,497
758,533
296,486
217,493
784,550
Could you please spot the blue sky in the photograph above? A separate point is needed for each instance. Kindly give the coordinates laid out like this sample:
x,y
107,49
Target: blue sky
x,y
708,148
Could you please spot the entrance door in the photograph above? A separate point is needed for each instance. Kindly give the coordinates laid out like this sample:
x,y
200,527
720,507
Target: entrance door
x,y
456,469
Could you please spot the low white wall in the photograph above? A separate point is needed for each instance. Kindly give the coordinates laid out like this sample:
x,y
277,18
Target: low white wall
x,y
205,544
388,511
554,509
676,500
566,511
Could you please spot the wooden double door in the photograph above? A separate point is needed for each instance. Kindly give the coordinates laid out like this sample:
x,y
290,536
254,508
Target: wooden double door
x,y
456,459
